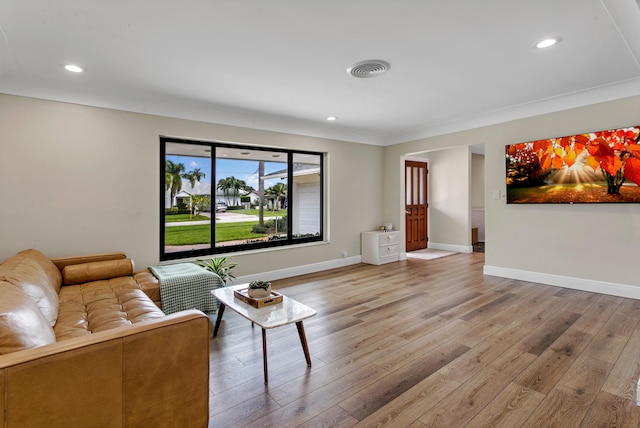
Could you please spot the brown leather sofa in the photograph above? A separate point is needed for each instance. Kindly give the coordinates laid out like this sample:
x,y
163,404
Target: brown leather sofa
x,y
82,344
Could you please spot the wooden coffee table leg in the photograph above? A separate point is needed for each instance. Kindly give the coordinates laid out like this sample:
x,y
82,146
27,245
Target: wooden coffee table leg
x,y
303,341
218,319
264,356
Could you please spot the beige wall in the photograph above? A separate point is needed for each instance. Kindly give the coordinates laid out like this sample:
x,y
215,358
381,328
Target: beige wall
x,y
79,179
477,181
591,242
449,211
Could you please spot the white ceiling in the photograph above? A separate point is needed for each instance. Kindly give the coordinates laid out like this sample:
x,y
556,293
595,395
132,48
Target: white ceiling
x,y
281,64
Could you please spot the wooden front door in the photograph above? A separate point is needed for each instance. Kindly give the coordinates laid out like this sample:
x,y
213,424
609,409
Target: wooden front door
x,y
415,185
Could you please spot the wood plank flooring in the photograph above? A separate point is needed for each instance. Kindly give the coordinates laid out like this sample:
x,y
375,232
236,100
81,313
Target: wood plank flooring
x,y
432,344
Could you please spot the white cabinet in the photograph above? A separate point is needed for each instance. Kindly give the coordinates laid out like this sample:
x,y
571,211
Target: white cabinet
x,y
380,247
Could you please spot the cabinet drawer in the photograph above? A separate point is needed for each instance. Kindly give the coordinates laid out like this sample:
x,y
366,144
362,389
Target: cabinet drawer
x,y
389,250
389,238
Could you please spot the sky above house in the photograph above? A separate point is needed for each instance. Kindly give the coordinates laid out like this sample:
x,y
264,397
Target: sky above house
x,y
241,169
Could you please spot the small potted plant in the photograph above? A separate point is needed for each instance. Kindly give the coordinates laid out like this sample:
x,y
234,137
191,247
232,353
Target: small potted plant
x,y
221,266
259,289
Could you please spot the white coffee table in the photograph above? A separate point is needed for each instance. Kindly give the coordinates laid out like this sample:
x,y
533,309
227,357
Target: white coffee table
x,y
288,311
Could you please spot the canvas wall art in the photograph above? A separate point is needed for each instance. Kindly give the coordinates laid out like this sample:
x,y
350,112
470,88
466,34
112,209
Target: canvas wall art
x,y
595,167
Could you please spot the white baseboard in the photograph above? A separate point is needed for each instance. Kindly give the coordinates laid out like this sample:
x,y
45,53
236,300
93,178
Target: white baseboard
x,y
621,290
299,270
449,247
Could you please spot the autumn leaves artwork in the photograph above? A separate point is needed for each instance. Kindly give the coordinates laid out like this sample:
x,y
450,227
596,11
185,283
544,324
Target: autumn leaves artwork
x,y
601,166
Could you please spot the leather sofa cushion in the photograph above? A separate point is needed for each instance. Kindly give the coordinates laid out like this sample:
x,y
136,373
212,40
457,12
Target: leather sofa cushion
x,y
38,277
95,271
101,305
22,325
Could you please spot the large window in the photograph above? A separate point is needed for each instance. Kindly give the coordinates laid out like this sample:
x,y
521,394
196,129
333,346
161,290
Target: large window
x,y
220,197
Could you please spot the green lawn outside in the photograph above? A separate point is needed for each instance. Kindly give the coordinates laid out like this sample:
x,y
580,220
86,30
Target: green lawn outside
x,y
187,235
199,234
236,231
186,217
183,217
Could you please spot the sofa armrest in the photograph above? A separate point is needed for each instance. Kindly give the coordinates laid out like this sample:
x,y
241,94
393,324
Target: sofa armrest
x,y
153,373
61,262
149,284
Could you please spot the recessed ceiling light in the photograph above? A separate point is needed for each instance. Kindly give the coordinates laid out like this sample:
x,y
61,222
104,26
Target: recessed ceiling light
x,y
73,68
547,43
331,118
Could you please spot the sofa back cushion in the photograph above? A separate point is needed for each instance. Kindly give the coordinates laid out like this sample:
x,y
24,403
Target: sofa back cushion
x,y
22,325
38,277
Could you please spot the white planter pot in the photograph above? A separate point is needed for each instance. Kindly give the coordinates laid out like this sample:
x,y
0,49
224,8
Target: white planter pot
x,y
258,293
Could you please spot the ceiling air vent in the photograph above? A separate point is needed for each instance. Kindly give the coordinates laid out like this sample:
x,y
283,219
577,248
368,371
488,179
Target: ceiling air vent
x,y
369,68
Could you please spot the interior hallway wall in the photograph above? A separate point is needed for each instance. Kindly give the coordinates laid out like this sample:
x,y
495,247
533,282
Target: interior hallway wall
x,y
449,215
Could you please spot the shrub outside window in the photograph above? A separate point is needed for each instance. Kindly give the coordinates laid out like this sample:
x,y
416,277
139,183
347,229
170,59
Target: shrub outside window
x,y
221,197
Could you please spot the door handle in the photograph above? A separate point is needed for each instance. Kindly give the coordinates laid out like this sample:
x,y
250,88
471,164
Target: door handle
x,y
407,212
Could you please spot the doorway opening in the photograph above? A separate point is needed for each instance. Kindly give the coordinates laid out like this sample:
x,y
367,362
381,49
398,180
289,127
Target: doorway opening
x,y
477,198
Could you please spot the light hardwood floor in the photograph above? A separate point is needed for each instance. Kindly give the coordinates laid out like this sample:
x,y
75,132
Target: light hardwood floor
x,y
432,344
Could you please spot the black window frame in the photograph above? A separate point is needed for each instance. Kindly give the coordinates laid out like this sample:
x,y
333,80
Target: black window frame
x,y
250,246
